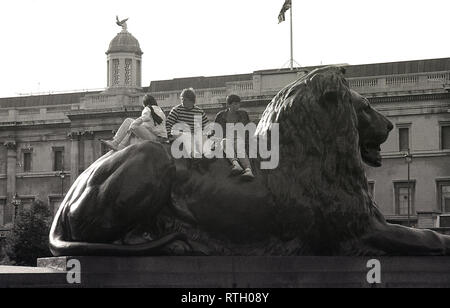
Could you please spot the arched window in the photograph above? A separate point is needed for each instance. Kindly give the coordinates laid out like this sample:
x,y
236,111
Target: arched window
x,y
116,78
128,71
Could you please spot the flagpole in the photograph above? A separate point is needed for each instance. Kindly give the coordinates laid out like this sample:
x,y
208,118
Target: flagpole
x,y
292,40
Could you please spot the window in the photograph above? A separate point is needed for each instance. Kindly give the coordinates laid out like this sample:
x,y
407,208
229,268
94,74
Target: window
x,y
444,196
445,137
403,139
27,157
58,159
128,71
26,203
115,72
402,196
54,203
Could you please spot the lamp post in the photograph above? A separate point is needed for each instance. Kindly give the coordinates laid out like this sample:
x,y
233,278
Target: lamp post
x,y
408,158
16,202
62,175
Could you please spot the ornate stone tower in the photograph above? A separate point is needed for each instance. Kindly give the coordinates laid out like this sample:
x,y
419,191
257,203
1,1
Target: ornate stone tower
x,y
124,64
124,69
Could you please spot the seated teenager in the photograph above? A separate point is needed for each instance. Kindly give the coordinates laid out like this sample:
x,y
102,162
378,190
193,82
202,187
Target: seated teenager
x,y
151,125
193,119
241,165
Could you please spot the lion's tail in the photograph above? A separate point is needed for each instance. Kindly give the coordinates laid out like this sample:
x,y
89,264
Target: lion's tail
x,y
60,247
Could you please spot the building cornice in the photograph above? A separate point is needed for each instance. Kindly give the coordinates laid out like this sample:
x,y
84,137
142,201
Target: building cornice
x,y
49,174
104,113
10,126
409,98
400,217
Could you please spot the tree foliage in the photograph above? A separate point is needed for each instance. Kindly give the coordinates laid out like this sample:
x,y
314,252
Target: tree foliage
x,y
28,239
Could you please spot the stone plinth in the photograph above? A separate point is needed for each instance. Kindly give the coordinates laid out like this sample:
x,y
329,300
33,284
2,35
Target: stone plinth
x,y
254,272
31,277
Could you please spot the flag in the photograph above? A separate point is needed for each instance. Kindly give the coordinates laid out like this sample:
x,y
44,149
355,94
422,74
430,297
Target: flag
x,y
286,6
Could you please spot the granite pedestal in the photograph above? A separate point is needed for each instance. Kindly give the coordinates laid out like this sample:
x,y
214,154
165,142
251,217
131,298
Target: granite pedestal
x,y
253,272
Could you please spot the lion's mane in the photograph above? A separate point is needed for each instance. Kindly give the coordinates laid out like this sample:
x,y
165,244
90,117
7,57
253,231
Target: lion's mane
x,y
320,186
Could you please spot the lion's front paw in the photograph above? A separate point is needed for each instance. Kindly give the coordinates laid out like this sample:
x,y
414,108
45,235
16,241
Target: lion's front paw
x,y
178,248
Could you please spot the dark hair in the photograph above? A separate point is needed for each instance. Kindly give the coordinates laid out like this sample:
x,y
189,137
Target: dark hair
x,y
150,101
189,94
233,98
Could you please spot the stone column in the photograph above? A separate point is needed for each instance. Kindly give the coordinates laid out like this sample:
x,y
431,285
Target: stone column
x,y
74,155
137,72
11,163
89,151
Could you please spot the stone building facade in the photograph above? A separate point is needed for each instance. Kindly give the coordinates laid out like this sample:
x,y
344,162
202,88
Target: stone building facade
x,y
48,140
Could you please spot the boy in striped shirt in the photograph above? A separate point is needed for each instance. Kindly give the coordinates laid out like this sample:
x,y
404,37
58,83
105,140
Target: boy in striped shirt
x,y
193,119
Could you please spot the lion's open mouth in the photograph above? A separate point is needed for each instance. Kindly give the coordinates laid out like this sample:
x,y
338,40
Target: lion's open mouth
x,y
370,153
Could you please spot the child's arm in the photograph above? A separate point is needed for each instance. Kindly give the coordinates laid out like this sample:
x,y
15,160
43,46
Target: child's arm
x,y
146,115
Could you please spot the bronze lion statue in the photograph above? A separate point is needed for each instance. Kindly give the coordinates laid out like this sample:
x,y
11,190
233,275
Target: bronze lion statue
x,y
141,201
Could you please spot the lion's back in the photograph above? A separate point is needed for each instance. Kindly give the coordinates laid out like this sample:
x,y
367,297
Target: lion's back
x,y
118,190
225,205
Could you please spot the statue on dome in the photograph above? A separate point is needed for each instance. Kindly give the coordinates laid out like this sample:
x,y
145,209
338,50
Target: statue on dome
x,y
122,23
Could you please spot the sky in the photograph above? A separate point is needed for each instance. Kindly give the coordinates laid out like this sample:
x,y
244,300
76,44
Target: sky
x,y
60,45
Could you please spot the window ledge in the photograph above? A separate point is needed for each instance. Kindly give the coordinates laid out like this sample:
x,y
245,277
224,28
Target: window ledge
x,y
44,174
416,154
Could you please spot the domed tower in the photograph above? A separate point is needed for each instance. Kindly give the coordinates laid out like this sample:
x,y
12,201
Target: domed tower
x,y
124,58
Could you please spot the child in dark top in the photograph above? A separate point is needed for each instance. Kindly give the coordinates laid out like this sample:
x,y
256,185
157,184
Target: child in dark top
x,y
232,114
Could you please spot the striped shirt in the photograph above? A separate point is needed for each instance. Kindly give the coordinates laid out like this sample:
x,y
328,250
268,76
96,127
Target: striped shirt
x,y
180,114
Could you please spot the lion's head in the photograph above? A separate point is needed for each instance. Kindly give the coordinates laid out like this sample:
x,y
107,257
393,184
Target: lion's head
x,y
321,104
373,129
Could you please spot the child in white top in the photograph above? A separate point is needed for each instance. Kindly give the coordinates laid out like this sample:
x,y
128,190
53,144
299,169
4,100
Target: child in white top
x,y
149,126
149,119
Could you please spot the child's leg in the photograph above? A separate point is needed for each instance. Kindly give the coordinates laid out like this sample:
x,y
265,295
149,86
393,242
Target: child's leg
x,y
197,145
125,141
144,133
122,131
121,138
239,146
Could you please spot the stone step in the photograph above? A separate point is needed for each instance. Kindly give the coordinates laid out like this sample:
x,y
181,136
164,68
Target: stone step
x,y
231,272
22,277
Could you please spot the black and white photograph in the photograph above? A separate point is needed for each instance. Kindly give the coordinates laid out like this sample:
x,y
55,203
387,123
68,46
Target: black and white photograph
x,y
224,151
